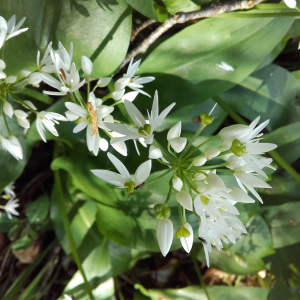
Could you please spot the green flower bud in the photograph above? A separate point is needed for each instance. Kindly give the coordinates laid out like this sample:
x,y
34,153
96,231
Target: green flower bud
x,y
158,215
130,186
166,211
206,119
182,232
238,148
158,206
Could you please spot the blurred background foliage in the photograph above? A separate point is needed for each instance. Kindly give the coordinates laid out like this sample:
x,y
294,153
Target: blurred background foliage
x,y
113,232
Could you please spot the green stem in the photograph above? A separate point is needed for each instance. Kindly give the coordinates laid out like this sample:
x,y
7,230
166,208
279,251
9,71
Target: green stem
x,y
88,86
180,215
258,15
169,194
108,96
5,121
225,152
66,225
166,154
162,175
117,284
275,155
79,98
194,150
201,127
75,99
199,276
225,171
209,167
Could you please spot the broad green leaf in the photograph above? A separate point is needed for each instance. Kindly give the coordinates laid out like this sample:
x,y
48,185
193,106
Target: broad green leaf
x,y
5,223
257,243
215,293
145,7
284,221
280,291
99,29
38,210
290,152
97,268
271,93
13,168
283,190
175,6
191,57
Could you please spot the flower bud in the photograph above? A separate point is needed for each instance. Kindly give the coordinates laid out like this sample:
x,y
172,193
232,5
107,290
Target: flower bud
x,y
199,161
155,153
11,79
178,144
206,119
8,109
211,152
86,65
187,241
177,183
164,234
185,200
103,82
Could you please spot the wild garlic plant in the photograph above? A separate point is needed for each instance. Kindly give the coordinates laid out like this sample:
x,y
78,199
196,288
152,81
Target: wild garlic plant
x,y
197,186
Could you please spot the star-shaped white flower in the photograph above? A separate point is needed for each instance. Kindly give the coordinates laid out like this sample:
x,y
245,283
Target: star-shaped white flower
x,y
134,82
48,120
13,146
92,118
144,129
123,178
10,207
9,29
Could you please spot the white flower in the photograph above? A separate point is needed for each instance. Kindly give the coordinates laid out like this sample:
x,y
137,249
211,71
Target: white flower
x,y
291,3
12,145
155,153
9,190
8,109
120,146
21,118
177,143
103,82
10,207
209,154
91,118
187,242
2,67
124,180
28,104
64,55
185,200
86,65
9,29
134,82
48,119
225,66
44,66
164,235
144,129
177,183
69,82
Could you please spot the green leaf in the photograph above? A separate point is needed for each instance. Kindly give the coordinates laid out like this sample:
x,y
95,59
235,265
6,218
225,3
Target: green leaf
x,y
38,210
99,29
6,224
284,221
257,243
188,56
272,93
280,291
97,268
13,168
145,7
175,6
215,293
22,243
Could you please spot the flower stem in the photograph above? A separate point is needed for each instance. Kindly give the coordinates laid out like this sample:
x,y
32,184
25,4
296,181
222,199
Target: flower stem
x,y
5,121
88,86
162,175
169,194
201,127
194,150
276,156
66,225
199,276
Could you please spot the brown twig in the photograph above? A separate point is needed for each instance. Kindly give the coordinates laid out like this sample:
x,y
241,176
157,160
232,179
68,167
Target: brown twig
x,y
212,10
140,28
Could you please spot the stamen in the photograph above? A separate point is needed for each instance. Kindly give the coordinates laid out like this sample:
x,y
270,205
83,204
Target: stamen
x,y
93,116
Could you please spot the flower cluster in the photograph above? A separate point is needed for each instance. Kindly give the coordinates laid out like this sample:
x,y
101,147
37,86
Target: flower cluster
x,y
196,183
12,203
57,69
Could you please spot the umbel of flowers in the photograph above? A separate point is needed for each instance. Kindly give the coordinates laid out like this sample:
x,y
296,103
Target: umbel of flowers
x,y
197,186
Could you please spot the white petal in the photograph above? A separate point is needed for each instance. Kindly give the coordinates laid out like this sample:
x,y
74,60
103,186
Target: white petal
x,y
2,62
234,132
2,75
187,243
119,166
215,181
240,196
175,131
134,114
251,180
79,127
211,152
103,144
110,177
199,161
177,183
8,109
291,3
185,200
120,147
76,109
103,82
142,172
23,123
20,114
164,234
154,152
121,83
178,144
34,78
117,95
86,65
29,104
40,129
259,148
71,116
130,96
